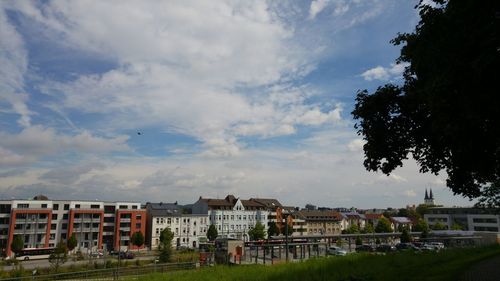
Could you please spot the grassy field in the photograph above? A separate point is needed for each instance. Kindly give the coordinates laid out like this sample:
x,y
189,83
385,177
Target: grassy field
x,y
445,265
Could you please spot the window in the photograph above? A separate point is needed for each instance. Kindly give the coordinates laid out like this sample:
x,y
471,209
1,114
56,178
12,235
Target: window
x,y
42,216
55,207
54,216
123,207
52,236
44,206
138,217
109,209
137,225
64,226
169,220
94,206
63,236
109,219
53,226
134,207
66,206
77,206
21,216
5,208
65,216
23,206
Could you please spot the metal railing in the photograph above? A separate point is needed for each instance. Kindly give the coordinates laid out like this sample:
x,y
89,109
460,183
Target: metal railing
x,y
109,273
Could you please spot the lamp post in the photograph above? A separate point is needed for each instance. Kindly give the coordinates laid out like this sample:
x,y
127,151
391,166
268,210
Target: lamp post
x,y
286,237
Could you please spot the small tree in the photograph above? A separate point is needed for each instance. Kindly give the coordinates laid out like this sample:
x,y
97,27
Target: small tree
x,y
353,229
273,229
377,241
368,228
405,236
359,241
439,226
456,226
59,257
17,244
165,246
423,227
212,233
383,226
137,239
72,242
284,229
257,233
339,242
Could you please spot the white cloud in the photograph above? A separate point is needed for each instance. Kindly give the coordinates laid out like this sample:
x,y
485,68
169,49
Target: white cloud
x,y
13,66
39,141
316,7
410,193
215,71
356,145
384,73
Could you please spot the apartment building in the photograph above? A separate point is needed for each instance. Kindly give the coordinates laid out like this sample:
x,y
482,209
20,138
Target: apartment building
x,y
321,222
473,219
232,217
42,223
188,229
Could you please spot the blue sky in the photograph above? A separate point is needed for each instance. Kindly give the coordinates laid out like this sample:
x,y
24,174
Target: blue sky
x,y
251,98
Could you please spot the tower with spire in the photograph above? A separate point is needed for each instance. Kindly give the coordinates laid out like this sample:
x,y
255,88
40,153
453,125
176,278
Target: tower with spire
x,y
429,197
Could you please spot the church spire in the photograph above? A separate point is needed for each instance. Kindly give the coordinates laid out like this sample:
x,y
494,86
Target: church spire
x,y
426,195
430,195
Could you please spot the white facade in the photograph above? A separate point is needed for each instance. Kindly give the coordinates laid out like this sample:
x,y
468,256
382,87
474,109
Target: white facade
x,y
236,222
467,218
189,230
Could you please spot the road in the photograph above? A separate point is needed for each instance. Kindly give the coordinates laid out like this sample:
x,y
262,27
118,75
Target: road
x,y
32,264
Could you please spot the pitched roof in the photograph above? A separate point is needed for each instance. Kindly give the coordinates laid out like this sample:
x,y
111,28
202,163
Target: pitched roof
x,y
373,216
250,203
319,215
164,209
268,202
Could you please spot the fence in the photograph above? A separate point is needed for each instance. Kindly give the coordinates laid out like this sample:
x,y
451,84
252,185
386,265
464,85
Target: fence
x,y
108,274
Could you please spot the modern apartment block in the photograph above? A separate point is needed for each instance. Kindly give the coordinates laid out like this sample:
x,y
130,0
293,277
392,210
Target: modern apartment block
x,y
42,223
188,229
473,219
232,217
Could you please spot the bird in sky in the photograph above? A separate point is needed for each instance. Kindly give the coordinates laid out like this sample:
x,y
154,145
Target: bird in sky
x,y
139,133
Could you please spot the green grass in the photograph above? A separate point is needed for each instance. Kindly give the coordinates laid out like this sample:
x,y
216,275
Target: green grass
x,y
446,265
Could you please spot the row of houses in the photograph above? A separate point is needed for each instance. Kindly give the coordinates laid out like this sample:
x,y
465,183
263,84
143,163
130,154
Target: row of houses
x,y
110,225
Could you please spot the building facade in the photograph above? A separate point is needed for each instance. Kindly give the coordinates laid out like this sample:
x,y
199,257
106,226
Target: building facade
x,y
42,223
321,222
231,216
189,229
472,219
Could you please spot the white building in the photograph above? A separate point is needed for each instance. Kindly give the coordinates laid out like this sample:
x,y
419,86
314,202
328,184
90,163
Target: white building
x,y
232,217
188,229
473,219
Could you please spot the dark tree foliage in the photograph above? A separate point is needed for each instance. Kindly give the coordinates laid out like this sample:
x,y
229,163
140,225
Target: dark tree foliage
x,y
383,226
490,196
405,236
257,232
17,244
165,246
212,233
72,242
272,230
446,112
137,239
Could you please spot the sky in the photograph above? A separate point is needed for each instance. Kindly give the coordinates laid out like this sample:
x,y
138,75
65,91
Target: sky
x,y
172,100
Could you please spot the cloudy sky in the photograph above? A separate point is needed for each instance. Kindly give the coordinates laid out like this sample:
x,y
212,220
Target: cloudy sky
x,y
251,98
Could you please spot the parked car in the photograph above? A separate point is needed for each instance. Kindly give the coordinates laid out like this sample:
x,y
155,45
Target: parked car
x,y
365,248
336,251
96,254
428,247
385,248
437,245
126,255
404,246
